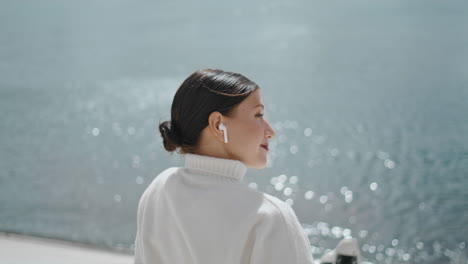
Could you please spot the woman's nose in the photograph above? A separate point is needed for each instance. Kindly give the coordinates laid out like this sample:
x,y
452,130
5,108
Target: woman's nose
x,y
270,133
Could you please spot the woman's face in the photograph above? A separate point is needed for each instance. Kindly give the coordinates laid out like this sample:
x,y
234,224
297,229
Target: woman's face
x,y
247,130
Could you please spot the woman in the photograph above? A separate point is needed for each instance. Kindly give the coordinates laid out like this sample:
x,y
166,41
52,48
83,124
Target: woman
x,y
202,212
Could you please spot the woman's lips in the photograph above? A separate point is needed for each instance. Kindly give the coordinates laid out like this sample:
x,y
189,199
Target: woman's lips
x,y
265,147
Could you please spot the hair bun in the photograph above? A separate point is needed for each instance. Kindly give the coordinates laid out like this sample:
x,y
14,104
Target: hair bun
x,y
171,139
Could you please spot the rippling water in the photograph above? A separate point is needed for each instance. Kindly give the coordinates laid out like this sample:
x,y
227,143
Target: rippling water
x,y
368,99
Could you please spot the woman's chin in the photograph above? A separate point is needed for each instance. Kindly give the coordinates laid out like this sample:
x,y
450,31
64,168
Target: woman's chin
x,y
260,164
257,166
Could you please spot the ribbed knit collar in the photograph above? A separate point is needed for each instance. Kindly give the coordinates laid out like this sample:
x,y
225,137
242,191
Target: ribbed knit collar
x,y
214,166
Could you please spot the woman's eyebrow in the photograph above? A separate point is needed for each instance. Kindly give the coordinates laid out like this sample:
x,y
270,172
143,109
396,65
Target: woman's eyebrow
x,y
260,105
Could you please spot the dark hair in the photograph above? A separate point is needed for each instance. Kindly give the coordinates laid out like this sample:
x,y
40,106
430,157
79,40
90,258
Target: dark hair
x,y
203,92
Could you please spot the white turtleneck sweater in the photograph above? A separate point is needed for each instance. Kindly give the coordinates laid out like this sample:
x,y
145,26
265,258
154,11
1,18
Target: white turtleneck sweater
x,y
203,213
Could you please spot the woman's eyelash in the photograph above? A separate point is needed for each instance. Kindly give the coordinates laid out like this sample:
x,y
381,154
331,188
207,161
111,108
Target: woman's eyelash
x,y
259,115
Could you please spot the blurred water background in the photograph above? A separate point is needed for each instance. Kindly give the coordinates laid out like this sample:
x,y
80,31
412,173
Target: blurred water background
x,y
369,100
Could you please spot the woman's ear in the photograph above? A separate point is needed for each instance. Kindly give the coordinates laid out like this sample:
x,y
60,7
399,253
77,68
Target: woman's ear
x,y
214,120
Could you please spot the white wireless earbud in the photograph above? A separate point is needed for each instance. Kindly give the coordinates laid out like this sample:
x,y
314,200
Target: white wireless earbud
x,y
224,128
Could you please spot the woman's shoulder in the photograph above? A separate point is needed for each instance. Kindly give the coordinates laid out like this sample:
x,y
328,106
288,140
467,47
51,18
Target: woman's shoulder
x,y
272,206
163,176
160,180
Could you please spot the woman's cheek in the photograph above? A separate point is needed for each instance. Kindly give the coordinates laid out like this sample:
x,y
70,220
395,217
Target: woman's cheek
x,y
257,127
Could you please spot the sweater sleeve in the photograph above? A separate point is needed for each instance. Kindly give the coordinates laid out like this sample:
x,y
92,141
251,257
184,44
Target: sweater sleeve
x,y
142,229
138,258
280,238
